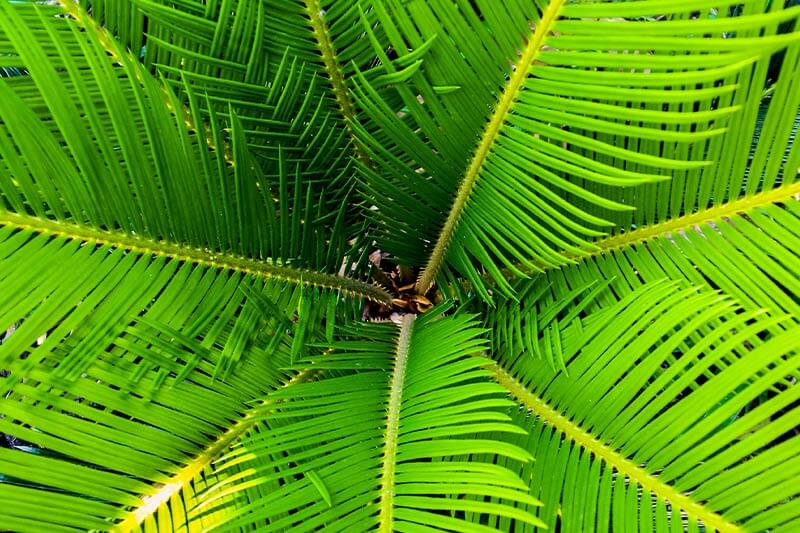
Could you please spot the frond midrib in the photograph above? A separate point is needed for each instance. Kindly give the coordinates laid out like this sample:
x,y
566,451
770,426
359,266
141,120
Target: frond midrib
x,y
624,466
222,261
386,518
109,43
704,216
335,73
671,226
507,98
151,503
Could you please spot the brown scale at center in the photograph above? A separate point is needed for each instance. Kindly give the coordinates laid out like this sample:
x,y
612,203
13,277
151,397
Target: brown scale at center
x,y
399,281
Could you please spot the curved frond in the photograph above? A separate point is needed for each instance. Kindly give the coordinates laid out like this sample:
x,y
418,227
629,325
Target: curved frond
x,y
670,389
288,84
133,261
199,49
128,425
747,251
169,507
112,157
573,110
700,425
381,448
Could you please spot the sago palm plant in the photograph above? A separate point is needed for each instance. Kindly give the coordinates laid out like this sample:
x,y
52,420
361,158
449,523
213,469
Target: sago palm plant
x,y
406,265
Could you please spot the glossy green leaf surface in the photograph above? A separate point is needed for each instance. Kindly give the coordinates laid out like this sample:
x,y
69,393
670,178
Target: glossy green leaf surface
x,y
399,265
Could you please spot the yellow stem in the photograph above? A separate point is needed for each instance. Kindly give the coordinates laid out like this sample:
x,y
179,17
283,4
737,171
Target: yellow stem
x,y
704,216
623,465
335,74
386,517
151,503
491,132
207,258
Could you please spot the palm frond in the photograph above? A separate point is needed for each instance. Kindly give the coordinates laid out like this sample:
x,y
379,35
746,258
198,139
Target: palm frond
x,y
93,447
127,247
671,363
199,50
371,448
113,158
674,404
767,122
745,249
289,86
572,110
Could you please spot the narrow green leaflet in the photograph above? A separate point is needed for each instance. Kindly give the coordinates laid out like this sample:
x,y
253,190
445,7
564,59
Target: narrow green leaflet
x,y
533,179
131,349
674,388
671,405
388,447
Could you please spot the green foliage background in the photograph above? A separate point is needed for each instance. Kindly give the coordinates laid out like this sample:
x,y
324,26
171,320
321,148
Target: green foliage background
x,y
600,197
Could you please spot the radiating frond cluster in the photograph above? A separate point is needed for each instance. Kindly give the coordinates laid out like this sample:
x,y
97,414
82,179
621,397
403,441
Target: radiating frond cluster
x,y
213,214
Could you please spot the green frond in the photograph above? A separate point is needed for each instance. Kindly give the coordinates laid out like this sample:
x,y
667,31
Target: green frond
x,y
744,248
114,157
604,194
380,448
679,394
123,351
730,355
169,507
289,84
534,177
127,247
106,354
768,119
88,449
200,49
750,254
